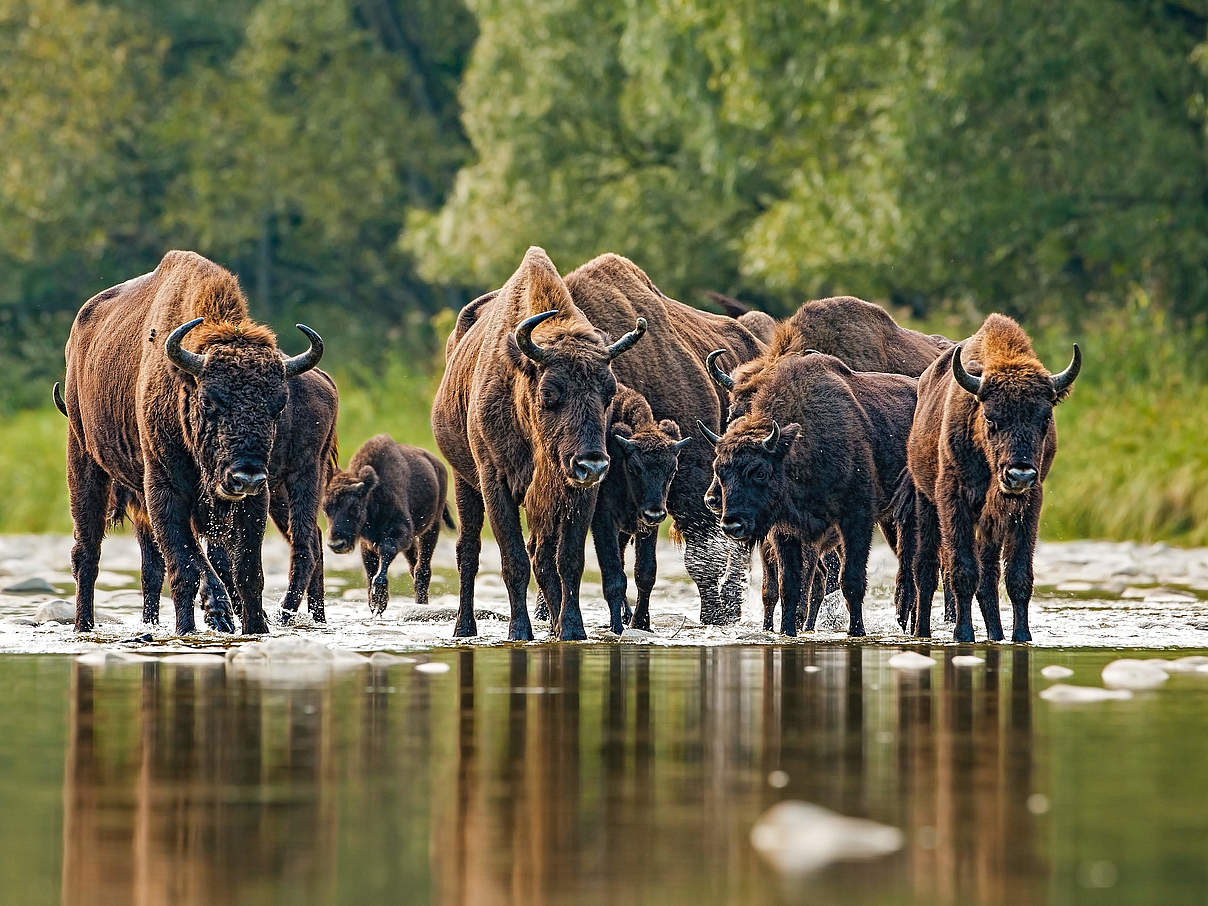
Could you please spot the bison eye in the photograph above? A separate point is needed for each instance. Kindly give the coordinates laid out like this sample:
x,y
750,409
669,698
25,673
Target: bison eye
x,y
550,398
991,426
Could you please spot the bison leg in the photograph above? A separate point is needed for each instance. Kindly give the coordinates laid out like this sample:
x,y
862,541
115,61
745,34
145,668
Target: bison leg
x,y
789,556
857,539
379,585
926,564
735,579
645,570
504,516
572,538
949,600
469,546
1018,550
422,576
623,539
703,559
817,592
88,485
152,571
612,570
987,589
371,561
316,595
297,523
543,552
219,577
171,518
771,584
249,518
834,569
960,556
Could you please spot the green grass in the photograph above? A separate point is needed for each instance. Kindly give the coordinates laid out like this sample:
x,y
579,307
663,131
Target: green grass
x,y
1133,461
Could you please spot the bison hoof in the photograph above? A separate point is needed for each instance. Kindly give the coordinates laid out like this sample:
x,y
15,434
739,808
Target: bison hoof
x,y
856,631
520,632
1021,635
218,621
963,634
285,616
465,631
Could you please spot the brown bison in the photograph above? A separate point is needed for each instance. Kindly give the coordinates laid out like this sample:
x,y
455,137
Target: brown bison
x,y
760,323
632,501
982,443
668,371
521,415
392,499
821,449
304,458
173,390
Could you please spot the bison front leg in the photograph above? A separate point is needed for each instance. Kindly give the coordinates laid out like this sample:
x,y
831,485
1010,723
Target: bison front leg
x,y
422,576
152,572
771,585
857,539
469,546
572,538
612,571
926,564
172,523
370,560
217,581
789,559
248,519
1018,552
504,516
817,592
987,589
960,564
297,523
88,485
379,586
316,596
543,551
645,570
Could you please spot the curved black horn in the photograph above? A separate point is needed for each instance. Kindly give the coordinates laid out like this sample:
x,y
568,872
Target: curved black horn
x,y
680,444
720,378
773,438
182,358
626,444
709,435
524,336
295,365
626,342
1062,380
56,393
964,378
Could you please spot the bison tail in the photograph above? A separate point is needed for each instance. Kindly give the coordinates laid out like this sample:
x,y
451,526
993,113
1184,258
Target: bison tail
x,y
903,502
120,501
448,518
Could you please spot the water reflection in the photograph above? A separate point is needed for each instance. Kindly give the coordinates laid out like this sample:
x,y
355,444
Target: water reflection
x,y
543,775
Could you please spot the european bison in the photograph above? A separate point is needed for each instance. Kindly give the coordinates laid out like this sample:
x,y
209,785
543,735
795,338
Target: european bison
x,y
834,465
173,390
520,415
632,501
982,443
304,458
760,323
668,371
392,499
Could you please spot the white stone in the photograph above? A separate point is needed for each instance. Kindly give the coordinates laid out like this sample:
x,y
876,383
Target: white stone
x,y
1055,672
632,634
1063,694
56,611
911,660
1191,664
796,838
967,660
1128,673
432,667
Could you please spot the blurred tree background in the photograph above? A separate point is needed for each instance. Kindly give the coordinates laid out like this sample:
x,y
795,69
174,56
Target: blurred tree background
x,y
367,165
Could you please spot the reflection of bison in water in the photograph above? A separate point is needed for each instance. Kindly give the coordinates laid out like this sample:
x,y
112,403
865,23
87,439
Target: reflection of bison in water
x,y
192,426
392,499
632,502
668,370
820,449
520,415
982,443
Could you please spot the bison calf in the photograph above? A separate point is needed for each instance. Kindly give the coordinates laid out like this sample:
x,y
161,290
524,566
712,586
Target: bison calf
x,y
982,442
392,499
632,502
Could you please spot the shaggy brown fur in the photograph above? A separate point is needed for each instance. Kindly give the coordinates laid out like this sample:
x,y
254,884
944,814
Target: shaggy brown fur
x,y
392,500
978,457
667,369
519,432
196,446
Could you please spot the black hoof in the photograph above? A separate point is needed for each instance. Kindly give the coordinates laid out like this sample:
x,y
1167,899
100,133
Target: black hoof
x,y
219,621
285,617
1021,635
963,634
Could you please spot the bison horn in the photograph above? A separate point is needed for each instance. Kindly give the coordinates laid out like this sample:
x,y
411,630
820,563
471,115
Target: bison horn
x,y
626,444
709,435
720,378
56,393
182,358
964,378
1063,380
524,336
680,444
626,342
773,438
295,365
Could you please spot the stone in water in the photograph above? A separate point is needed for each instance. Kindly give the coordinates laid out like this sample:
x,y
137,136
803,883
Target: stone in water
x,y
1056,671
911,660
798,837
1063,694
1128,673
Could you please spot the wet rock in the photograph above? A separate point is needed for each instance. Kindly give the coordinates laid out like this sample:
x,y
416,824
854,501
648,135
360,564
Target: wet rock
x,y
1128,673
1056,672
33,586
911,660
967,660
1195,663
1063,694
441,613
432,667
56,611
637,635
796,838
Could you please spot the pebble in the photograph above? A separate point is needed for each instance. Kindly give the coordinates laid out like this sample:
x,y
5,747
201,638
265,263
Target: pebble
x,y
1056,672
1128,673
797,838
433,667
1063,694
967,660
911,660
56,611
34,586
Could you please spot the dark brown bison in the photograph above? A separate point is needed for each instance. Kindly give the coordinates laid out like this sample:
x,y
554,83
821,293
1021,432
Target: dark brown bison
x,y
391,499
520,415
632,501
982,443
821,449
173,390
304,458
668,371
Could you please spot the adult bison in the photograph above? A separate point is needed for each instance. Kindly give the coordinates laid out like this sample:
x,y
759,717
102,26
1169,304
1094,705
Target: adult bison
x,y
982,442
820,450
668,370
172,389
520,415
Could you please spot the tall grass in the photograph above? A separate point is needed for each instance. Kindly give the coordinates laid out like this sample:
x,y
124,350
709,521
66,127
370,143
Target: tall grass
x,y
1133,461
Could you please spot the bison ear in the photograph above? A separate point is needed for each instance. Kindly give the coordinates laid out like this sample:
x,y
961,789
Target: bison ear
x,y
519,360
788,434
368,476
670,428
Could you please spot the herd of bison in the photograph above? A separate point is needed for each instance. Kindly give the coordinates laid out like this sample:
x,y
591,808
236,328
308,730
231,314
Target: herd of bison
x,y
590,401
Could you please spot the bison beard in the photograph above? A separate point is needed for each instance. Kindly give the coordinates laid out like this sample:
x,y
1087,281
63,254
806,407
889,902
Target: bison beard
x,y
982,443
521,419
191,428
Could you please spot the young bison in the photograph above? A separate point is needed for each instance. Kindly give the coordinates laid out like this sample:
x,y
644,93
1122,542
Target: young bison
x,y
982,443
392,498
633,501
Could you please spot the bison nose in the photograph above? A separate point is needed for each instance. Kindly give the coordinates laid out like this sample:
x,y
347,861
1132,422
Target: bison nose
x,y
589,468
247,481
653,516
735,528
1020,477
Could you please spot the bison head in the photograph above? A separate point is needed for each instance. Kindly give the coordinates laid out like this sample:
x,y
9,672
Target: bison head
x,y
235,391
648,458
1014,415
750,484
569,384
345,505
